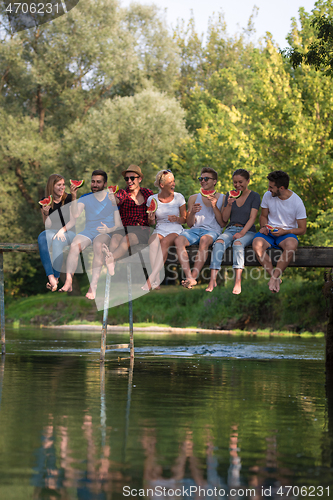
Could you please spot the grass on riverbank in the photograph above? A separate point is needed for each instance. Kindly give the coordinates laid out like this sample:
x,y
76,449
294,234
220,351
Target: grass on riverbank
x,y
300,306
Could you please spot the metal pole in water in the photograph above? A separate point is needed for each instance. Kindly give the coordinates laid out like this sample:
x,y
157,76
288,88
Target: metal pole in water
x,y
2,306
105,316
130,308
103,405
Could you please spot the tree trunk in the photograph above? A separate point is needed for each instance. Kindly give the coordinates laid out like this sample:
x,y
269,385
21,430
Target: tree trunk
x,y
41,109
23,189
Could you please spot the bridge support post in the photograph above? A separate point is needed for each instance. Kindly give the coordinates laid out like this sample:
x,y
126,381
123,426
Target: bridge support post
x,y
329,338
2,305
130,309
105,316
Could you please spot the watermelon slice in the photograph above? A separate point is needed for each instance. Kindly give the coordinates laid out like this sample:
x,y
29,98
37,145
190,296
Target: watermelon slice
x,y
206,192
271,228
113,189
235,194
77,184
45,202
152,207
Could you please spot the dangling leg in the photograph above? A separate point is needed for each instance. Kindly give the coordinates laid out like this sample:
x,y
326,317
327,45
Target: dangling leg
x,y
97,264
80,242
44,242
219,248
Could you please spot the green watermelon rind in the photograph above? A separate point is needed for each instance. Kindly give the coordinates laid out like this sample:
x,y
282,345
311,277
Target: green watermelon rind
x,y
47,203
235,191
113,189
152,211
75,183
207,192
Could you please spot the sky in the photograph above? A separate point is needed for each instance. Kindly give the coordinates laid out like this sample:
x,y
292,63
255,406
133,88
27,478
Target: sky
x,y
273,16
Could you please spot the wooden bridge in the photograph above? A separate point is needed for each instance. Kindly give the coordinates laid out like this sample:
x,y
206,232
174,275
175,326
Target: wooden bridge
x,y
304,257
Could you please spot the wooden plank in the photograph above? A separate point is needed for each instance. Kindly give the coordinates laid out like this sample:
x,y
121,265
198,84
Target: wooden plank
x,y
19,247
305,256
118,346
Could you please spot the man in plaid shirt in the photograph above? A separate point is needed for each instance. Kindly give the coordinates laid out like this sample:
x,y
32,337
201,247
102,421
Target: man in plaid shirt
x,y
133,212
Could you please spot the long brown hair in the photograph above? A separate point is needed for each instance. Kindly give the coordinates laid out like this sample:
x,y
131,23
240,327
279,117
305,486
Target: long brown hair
x,y
52,180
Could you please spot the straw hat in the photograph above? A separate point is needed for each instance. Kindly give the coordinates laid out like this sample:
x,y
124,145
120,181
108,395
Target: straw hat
x,y
133,168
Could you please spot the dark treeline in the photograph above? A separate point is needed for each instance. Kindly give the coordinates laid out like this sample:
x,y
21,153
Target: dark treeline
x,y
103,87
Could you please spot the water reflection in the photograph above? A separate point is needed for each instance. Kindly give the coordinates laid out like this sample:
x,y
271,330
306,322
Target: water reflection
x,y
72,429
187,472
53,478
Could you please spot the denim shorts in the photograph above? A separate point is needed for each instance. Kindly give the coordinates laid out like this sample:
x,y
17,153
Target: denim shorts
x,y
275,241
194,234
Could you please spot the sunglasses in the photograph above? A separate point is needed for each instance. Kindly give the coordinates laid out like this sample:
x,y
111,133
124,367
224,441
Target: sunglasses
x,y
168,171
204,179
132,177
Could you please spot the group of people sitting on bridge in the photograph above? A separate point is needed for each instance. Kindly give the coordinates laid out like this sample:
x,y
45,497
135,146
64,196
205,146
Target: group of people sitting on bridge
x,y
116,221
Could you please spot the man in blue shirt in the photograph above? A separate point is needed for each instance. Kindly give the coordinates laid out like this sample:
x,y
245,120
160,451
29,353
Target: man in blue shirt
x,y
102,218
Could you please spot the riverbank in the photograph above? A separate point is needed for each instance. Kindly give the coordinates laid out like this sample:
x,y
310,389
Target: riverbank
x,y
299,307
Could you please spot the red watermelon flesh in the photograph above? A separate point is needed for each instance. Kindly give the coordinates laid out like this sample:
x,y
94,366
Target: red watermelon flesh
x,y
45,202
152,207
77,184
235,194
206,192
113,189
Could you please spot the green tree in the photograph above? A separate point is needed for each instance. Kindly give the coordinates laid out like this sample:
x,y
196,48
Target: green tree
x,y
263,116
313,45
142,129
61,78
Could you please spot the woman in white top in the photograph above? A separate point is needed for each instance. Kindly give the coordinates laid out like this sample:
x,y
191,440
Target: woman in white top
x,y
169,217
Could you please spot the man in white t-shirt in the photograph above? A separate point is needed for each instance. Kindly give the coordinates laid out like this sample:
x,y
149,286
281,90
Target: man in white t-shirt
x,y
284,212
205,221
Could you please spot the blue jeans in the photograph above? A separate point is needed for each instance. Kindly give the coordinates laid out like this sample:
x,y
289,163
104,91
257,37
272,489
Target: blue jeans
x,y
45,242
224,241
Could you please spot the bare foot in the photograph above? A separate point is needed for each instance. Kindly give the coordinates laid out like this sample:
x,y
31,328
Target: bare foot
x,y
52,284
237,289
274,284
189,283
109,260
156,285
211,286
66,288
147,286
91,293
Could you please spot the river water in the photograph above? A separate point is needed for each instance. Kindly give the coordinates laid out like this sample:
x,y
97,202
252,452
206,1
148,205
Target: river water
x,y
195,416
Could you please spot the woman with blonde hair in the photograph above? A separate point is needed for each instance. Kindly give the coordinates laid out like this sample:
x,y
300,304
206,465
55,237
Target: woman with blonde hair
x,y
169,217
57,234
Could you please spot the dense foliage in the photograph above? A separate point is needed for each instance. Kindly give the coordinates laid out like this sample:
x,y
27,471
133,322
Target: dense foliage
x,y
103,87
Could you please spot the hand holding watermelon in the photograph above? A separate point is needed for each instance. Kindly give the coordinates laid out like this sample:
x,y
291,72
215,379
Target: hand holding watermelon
x,y
231,200
272,229
45,203
113,189
152,207
74,186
